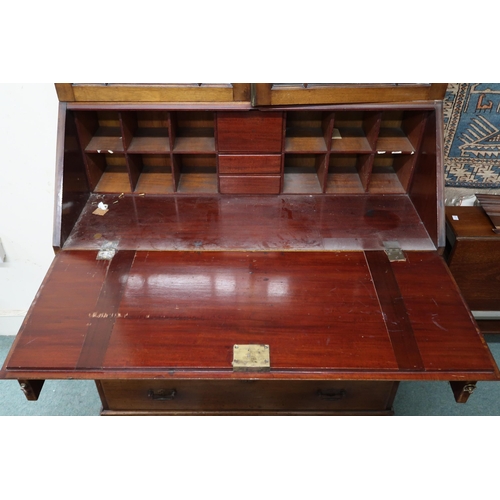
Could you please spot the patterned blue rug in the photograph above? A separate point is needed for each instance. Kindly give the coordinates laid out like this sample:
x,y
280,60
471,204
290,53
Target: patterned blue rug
x,y
472,135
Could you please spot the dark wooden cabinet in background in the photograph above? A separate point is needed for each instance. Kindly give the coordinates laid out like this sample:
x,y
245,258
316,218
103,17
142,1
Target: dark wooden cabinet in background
x,y
473,255
248,259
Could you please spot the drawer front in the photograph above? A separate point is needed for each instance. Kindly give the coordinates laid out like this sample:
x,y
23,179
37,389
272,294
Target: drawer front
x,y
251,131
247,395
249,164
249,184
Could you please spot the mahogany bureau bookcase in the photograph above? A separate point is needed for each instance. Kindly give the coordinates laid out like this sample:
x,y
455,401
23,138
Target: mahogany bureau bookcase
x,y
249,249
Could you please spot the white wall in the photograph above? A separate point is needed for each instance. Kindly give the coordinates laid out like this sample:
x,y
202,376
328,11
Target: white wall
x,y
28,125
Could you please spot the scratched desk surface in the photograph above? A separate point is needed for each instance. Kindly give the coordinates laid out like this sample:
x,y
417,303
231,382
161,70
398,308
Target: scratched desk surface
x,y
324,315
250,223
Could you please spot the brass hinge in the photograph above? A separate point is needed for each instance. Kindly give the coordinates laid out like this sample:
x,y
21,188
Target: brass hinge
x,y
394,251
107,251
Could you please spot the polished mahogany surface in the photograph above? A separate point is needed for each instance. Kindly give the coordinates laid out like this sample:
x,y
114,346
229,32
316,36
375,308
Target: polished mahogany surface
x,y
470,222
262,223
253,131
226,226
474,257
325,315
229,397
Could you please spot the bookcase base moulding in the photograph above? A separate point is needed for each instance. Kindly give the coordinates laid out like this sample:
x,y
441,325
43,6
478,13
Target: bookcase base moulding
x,y
216,258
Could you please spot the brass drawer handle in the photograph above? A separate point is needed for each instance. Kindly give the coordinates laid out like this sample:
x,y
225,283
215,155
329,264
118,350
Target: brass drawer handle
x,y
334,395
162,394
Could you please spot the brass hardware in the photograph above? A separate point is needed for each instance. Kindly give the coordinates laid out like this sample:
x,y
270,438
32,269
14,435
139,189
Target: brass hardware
x,y
334,395
251,357
108,251
162,394
31,388
394,251
106,254
462,389
469,388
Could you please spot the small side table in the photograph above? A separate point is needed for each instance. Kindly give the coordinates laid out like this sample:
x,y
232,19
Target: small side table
x,y
473,256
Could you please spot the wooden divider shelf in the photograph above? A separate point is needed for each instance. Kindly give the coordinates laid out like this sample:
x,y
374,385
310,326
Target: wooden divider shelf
x,y
153,173
349,173
114,175
100,132
313,151
355,132
401,131
304,173
193,132
308,132
391,173
147,132
195,173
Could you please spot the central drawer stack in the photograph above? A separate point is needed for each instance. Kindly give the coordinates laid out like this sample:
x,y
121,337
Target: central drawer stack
x,y
250,145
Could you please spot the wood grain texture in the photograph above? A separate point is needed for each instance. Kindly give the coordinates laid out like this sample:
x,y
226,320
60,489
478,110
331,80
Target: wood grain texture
x,y
180,314
488,326
71,187
266,94
475,265
214,413
241,92
64,92
305,145
299,304
249,184
153,93
445,332
249,396
249,164
474,257
258,132
427,187
353,141
491,205
261,223
102,320
472,223
394,311
54,329
193,275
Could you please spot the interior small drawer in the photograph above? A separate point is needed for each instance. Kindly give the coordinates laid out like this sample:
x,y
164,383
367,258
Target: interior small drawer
x,y
276,396
251,131
249,164
249,184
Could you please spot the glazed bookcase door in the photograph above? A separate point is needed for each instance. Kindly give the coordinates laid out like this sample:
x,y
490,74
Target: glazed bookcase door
x,y
283,94
147,92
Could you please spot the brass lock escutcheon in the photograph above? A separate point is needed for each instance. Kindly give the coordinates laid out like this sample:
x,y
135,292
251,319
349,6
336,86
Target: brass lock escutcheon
x,y
251,358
